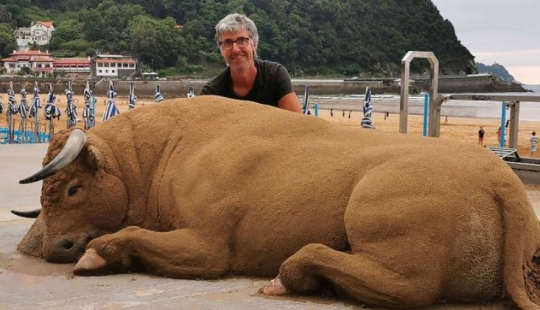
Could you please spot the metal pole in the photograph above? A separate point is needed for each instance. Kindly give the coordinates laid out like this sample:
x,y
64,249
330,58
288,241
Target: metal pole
x,y
426,112
503,123
514,125
404,95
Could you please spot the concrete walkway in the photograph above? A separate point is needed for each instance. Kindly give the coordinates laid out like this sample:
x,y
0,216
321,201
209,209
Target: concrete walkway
x,y
29,283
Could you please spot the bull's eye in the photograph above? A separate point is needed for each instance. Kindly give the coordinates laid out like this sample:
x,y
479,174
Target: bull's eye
x,y
73,190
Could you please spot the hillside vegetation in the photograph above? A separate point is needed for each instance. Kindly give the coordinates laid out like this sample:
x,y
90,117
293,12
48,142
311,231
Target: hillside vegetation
x,y
361,38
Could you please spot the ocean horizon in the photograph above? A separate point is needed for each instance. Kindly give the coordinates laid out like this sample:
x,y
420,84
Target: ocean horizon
x,y
389,103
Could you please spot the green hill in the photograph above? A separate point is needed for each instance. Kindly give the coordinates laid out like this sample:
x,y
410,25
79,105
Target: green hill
x,y
333,38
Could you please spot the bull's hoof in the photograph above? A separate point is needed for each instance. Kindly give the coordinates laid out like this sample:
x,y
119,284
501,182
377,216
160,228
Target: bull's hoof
x,y
274,288
89,262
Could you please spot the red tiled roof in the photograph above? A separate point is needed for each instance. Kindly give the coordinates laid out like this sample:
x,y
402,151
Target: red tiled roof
x,y
46,24
29,53
9,59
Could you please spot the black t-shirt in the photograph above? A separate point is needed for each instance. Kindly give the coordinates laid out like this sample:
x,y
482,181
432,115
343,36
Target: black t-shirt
x,y
271,83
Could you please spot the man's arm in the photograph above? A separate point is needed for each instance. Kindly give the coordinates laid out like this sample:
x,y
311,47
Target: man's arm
x,y
290,102
283,85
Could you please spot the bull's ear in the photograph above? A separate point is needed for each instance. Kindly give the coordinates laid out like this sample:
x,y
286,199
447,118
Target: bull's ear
x,y
95,157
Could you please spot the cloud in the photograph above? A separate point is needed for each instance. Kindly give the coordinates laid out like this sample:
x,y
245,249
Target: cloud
x,y
499,31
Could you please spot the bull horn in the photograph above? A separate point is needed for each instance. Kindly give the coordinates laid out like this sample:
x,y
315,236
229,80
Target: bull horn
x,y
69,152
28,214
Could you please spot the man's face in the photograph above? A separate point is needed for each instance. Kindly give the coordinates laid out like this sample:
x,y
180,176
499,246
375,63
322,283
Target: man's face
x,y
238,57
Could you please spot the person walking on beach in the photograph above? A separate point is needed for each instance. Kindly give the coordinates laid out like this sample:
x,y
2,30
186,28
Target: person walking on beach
x,y
481,134
534,142
499,135
247,77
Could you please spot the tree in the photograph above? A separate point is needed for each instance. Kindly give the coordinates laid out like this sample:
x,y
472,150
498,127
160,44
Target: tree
x,y
154,41
8,43
92,23
34,46
25,71
5,15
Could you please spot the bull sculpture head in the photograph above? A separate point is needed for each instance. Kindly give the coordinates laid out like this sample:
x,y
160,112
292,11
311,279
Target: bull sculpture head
x,y
77,200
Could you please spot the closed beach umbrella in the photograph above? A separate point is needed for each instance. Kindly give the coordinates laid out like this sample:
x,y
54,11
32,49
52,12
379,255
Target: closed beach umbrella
x,y
51,110
71,109
24,110
111,109
12,110
191,92
305,106
132,97
88,111
158,97
368,110
34,111
23,107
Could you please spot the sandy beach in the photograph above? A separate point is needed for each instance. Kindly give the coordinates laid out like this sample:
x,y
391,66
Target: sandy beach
x,y
461,128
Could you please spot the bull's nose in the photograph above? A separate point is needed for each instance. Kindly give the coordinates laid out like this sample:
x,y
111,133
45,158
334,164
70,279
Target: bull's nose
x,y
65,244
67,250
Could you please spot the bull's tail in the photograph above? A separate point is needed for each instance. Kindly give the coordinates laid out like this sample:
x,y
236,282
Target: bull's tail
x,y
521,250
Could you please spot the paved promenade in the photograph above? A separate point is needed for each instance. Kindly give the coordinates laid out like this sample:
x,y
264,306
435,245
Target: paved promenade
x,y
29,283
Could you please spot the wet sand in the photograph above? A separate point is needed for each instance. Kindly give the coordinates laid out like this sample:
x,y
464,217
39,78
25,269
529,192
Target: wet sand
x,y
460,128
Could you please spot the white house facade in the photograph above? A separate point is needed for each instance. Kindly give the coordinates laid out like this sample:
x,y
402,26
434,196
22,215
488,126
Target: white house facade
x,y
39,32
113,66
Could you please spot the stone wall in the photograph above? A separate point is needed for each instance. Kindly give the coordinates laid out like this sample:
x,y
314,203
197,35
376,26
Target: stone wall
x,y
174,89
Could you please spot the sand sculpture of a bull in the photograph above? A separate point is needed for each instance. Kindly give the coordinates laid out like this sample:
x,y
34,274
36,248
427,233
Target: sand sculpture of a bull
x,y
208,187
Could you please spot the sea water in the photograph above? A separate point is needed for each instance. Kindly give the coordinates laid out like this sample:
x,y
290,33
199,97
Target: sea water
x,y
389,103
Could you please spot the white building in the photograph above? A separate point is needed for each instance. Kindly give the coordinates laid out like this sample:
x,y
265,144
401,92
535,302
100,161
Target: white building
x,y
39,32
113,66
40,63
43,64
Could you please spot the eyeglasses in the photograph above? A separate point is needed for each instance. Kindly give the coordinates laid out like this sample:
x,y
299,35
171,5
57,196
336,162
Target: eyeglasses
x,y
228,44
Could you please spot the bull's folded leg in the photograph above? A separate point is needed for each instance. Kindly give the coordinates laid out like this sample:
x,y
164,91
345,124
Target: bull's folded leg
x,y
356,275
176,254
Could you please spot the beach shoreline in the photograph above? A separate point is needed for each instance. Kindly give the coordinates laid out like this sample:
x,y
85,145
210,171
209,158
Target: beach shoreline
x,y
464,128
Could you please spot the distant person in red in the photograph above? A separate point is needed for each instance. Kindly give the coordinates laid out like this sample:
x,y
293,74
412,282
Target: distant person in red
x,y
481,134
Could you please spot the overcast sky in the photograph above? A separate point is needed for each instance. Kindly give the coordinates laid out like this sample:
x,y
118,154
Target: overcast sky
x,y
502,31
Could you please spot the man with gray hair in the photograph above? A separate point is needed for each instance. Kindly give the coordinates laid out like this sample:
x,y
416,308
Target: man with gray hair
x,y
247,77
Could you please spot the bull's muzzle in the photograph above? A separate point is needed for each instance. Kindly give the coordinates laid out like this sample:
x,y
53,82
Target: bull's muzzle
x,y
66,249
